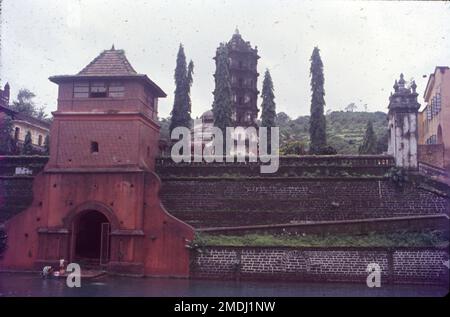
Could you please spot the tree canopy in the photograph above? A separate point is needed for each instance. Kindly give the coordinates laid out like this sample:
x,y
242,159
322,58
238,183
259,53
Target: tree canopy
x,y
222,92
25,104
317,127
369,145
181,111
27,148
268,114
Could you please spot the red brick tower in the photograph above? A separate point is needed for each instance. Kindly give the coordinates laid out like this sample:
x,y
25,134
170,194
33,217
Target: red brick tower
x,y
97,200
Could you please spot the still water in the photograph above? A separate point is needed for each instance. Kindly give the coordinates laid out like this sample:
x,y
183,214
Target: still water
x,y
29,284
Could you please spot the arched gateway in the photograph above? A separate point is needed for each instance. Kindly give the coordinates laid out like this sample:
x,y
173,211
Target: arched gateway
x,y
91,236
97,199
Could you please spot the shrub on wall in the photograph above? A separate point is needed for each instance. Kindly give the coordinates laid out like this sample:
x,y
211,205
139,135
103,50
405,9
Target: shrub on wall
x,y
3,238
398,176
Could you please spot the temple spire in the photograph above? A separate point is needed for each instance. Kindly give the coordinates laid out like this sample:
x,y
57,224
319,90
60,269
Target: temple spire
x,y
413,86
401,82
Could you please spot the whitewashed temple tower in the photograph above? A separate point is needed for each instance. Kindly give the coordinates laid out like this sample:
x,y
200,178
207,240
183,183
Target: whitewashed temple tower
x,y
403,134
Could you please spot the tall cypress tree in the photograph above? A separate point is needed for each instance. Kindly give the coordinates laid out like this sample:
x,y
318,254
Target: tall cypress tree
x,y
222,93
190,79
268,115
369,145
27,145
181,112
47,145
317,127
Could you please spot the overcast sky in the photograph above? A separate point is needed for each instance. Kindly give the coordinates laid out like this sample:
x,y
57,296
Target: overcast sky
x,y
364,45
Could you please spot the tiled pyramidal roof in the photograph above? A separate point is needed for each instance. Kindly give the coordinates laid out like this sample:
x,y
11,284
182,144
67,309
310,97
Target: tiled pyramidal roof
x,y
109,63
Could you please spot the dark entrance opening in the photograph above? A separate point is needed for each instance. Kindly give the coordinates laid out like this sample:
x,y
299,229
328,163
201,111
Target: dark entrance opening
x,y
92,236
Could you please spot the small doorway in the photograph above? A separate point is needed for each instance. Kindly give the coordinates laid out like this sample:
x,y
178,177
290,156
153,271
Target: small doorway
x,y
439,135
92,238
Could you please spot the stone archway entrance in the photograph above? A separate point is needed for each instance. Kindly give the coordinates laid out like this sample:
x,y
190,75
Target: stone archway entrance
x,y
91,236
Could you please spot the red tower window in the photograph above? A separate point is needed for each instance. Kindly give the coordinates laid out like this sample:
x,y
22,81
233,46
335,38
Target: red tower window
x,y
94,147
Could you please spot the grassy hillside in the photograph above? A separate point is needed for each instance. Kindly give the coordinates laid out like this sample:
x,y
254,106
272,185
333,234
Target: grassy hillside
x,y
345,130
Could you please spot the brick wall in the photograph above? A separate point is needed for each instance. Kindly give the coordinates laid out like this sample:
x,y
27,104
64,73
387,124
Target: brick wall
x,y
289,166
219,202
251,201
16,191
403,265
16,194
432,154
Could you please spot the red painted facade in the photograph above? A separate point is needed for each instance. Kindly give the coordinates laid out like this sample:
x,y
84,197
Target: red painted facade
x,y
101,173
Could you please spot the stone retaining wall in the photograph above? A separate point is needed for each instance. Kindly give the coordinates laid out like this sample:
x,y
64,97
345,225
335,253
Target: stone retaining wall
x,y
399,265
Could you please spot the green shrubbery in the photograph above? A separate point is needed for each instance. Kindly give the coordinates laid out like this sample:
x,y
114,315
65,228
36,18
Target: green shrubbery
x,y
3,238
396,239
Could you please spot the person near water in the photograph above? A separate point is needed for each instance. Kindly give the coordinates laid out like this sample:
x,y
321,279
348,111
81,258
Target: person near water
x,y
47,271
61,267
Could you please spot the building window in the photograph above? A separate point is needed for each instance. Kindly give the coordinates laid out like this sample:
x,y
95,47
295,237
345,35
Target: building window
x,y
16,133
98,90
40,140
429,116
94,147
81,90
116,90
437,103
432,139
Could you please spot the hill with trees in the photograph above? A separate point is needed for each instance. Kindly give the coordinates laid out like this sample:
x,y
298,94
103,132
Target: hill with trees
x,y
345,130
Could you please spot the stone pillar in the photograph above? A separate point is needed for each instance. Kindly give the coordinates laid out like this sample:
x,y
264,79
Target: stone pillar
x,y
403,131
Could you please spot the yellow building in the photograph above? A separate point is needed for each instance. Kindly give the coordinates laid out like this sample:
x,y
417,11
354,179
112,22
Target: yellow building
x,y
434,120
22,123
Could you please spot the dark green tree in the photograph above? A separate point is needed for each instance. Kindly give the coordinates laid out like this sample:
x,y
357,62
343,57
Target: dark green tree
x,y
317,125
369,145
41,114
181,111
293,148
24,103
47,145
282,118
268,115
27,145
3,238
222,93
6,139
382,141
